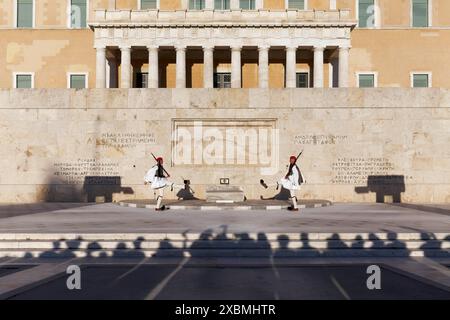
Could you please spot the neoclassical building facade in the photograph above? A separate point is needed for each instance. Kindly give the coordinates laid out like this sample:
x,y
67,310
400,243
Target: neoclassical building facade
x,y
224,43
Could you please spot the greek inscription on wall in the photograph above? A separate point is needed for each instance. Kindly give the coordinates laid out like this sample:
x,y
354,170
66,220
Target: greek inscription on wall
x,y
319,139
355,171
75,172
125,140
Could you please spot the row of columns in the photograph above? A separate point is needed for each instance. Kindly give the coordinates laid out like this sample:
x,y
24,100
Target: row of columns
x,y
208,67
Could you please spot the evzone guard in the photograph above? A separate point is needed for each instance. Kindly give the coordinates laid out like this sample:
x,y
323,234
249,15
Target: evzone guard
x,y
292,181
157,176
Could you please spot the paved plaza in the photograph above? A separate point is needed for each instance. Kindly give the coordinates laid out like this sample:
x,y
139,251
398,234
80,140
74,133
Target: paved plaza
x,y
87,218
249,254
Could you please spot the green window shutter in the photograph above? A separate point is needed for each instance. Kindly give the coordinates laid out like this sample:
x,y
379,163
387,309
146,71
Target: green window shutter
x,y
148,4
296,4
25,13
302,80
23,81
196,4
222,4
247,4
366,81
365,13
78,13
420,81
77,81
420,13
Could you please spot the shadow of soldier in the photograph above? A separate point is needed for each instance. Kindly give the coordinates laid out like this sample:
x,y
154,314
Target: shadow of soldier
x,y
387,186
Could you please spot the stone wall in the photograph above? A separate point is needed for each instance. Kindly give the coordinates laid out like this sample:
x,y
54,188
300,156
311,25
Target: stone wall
x,y
359,145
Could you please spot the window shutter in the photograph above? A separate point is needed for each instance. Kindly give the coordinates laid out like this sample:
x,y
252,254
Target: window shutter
x,y
366,81
196,4
302,80
420,13
365,12
222,4
79,14
23,81
297,4
420,81
148,4
25,13
247,4
78,81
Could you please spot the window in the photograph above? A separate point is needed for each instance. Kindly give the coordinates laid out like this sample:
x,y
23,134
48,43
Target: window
x,y
367,80
222,80
366,13
25,14
247,4
148,4
421,80
296,4
420,13
78,14
302,80
141,80
222,4
24,80
77,80
196,4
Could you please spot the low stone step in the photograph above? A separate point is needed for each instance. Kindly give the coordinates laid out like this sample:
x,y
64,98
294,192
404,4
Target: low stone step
x,y
225,244
192,236
221,253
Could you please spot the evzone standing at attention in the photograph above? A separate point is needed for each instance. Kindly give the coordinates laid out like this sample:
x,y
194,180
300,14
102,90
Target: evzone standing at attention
x,y
292,182
157,176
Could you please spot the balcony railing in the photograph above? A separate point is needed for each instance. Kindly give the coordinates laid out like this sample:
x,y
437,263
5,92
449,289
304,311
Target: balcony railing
x,y
220,17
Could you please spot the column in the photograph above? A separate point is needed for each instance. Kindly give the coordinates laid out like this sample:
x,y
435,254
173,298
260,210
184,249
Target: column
x,y
318,66
234,5
209,4
153,67
291,66
343,66
263,68
208,67
181,67
125,68
101,68
236,66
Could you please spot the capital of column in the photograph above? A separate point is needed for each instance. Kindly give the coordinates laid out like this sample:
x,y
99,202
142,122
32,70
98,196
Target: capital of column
x,y
344,48
236,48
100,48
319,48
125,48
208,48
152,48
180,48
263,48
291,48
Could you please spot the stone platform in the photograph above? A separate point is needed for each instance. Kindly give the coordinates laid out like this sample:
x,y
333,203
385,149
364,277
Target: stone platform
x,y
244,205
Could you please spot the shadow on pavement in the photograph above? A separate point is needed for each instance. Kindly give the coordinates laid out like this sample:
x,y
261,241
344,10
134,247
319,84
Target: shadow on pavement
x,y
183,278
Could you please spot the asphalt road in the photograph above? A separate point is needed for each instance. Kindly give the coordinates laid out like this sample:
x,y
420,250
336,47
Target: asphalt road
x,y
233,283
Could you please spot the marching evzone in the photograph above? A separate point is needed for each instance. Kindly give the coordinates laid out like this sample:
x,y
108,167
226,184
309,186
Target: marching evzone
x,y
158,177
292,182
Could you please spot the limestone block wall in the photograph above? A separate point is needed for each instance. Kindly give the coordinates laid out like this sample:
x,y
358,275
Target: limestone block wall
x,y
359,144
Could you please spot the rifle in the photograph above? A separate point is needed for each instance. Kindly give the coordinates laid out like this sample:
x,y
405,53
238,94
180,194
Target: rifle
x,y
168,175
301,152
292,165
